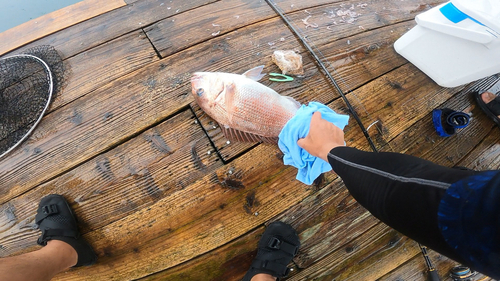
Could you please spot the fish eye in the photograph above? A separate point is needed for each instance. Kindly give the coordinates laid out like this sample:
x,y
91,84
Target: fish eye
x,y
200,92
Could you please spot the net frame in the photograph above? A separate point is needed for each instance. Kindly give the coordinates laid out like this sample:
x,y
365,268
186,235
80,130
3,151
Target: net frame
x,y
50,80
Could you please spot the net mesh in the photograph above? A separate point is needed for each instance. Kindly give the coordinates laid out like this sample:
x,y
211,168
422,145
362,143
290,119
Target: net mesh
x,y
26,87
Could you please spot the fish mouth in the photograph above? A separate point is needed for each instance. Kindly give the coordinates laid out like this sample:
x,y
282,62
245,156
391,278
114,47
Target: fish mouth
x,y
196,77
195,81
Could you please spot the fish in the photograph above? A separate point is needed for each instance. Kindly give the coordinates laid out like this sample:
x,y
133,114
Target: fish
x,y
246,110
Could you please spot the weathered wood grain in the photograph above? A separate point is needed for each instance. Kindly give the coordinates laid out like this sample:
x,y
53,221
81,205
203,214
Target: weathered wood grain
x,y
106,27
228,263
416,269
182,31
329,213
101,65
397,100
337,20
486,155
131,177
380,244
89,126
55,21
197,219
421,139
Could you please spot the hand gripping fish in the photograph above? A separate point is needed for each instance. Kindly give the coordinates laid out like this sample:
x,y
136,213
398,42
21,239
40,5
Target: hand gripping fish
x,y
245,109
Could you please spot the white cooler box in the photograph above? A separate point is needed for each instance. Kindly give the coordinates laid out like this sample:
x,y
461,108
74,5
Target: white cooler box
x,y
455,43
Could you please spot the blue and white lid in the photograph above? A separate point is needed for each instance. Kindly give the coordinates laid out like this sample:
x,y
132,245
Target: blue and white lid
x,y
473,20
485,12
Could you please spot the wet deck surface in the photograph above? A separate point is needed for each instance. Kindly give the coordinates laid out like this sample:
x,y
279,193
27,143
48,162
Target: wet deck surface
x,y
159,191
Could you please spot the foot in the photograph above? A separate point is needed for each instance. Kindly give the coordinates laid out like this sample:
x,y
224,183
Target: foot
x,y
57,222
263,277
488,97
490,104
276,249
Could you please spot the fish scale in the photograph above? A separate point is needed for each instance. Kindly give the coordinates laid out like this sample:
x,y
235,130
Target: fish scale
x,y
244,108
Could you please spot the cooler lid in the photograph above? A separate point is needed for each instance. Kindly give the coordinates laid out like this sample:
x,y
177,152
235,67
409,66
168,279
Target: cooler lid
x,y
485,12
449,19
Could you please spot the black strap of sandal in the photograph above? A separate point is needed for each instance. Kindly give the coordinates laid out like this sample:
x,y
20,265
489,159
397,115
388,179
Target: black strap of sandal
x,y
42,240
47,210
494,106
279,270
279,244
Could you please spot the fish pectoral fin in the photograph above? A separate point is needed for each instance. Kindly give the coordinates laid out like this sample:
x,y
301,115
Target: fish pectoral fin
x,y
229,94
294,101
237,135
255,73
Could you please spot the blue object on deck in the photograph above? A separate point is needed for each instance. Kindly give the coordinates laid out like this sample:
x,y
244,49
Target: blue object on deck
x,y
446,121
309,167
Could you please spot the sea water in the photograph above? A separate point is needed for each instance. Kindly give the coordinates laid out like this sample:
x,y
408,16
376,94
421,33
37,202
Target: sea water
x,y
16,12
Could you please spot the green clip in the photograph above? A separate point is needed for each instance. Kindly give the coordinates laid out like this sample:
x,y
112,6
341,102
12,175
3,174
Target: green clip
x,y
284,77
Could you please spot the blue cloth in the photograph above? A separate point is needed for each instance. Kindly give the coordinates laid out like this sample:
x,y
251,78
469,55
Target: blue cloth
x,y
309,167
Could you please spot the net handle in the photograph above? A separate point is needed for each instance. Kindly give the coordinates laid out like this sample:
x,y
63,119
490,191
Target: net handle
x,y
51,88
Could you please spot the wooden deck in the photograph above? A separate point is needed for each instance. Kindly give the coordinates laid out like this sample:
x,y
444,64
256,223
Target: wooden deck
x,y
160,193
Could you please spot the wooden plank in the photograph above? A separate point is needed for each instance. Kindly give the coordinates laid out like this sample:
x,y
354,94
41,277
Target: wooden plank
x,y
421,139
106,27
396,101
228,263
485,156
101,65
55,21
193,27
195,220
368,257
327,219
131,177
416,269
334,20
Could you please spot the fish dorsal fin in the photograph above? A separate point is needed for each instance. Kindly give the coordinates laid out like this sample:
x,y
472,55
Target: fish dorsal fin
x,y
237,135
294,101
255,73
229,100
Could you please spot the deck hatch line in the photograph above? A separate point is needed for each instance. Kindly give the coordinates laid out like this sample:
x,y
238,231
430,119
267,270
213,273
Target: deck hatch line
x,y
438,184
153,45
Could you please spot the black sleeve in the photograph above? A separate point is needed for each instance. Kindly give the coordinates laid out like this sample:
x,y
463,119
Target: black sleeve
x,y
402,191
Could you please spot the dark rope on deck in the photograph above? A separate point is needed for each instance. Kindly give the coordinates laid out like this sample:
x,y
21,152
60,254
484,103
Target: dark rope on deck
x,y
325,70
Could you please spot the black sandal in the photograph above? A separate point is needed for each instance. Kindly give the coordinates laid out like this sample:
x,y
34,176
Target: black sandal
x,y
56,220
492,109
276,249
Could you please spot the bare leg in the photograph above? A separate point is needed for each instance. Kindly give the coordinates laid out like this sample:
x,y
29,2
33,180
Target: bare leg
x,y
263,277
40,265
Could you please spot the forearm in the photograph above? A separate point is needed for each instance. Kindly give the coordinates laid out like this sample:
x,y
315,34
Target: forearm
x,y
361,168
402,191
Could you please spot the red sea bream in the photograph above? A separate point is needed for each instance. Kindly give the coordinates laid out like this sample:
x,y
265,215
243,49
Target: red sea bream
x,y
245,109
